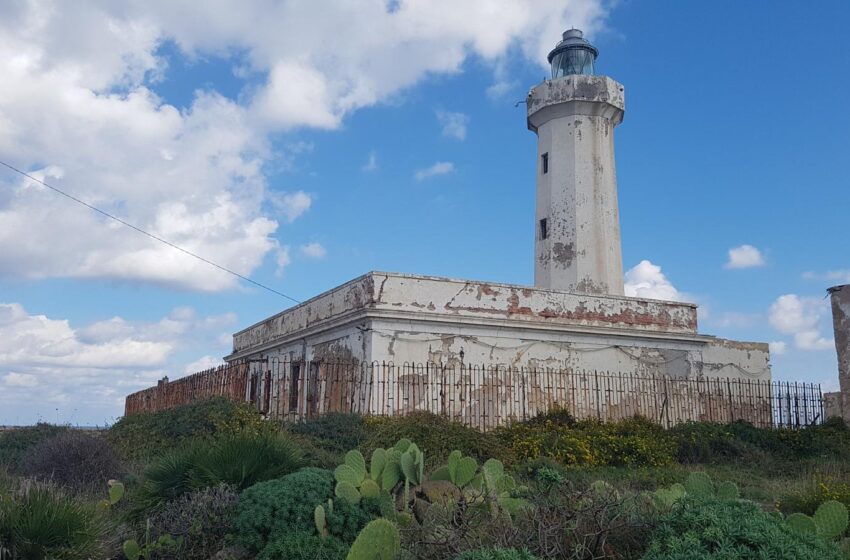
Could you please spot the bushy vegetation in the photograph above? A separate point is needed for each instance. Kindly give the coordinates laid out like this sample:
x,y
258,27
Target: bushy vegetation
x,y
435,435
269,509
697,530
497,554
215,480
150,434
74,459
335,432
15,443
240,460
38,521
627,443
304,546
199,521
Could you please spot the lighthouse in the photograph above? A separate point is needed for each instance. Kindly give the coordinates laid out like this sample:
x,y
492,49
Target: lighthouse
x,y
577,230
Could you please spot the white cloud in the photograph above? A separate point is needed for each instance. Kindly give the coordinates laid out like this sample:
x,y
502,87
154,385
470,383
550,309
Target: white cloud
x,y
314,250
291,205
734,319
645,280
838,276
800,317
454,124
201,364
47,360
282,260
14,379
744,256
439,168
777,347
77,103
372,162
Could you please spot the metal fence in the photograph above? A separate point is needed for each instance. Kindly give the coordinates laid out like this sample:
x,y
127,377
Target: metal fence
x,y
488,396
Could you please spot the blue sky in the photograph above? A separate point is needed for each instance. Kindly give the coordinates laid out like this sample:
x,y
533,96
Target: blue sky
x,y
294,144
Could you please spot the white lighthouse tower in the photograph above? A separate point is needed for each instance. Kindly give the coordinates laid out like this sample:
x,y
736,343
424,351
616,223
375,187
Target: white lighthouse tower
x,y
577,242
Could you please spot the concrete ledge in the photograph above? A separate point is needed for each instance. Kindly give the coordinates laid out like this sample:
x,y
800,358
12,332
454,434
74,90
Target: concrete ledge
x,y
434,298
575,95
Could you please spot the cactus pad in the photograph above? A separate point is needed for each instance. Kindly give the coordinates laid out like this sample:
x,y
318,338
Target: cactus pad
x,y
727,490
379,540
320,521
402,445
801,522
370,489
699,485
346,473
390,476
346,491
831,519
379,461
355,460
466,469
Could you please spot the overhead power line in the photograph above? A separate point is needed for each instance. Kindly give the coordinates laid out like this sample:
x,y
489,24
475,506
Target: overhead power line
x,y
148,234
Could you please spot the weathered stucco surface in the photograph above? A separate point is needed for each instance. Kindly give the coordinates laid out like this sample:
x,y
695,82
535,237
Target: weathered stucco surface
x,y
398,318
839,403
579,249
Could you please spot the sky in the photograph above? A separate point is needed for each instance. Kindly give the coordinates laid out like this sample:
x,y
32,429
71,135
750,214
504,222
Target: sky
x,y
305,143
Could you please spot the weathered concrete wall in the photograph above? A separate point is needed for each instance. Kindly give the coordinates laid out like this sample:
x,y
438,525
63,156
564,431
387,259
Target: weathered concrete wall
x,y
839,404
404,318
574,118
460,300
379,294
301,320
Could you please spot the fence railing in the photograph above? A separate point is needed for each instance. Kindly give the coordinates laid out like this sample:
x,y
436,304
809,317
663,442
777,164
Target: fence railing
x,y
488,396
228,381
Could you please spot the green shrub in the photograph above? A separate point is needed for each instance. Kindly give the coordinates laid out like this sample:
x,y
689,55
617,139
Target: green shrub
x,y
240,460
497,554
706,442
282,505
335,431
632,442
557,415
15,443
74,459
726,530
39,523
244,459
149,434
819,490
201,520
304,546
435,435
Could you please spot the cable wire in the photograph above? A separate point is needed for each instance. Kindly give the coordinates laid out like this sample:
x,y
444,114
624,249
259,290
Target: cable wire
x,y
148,234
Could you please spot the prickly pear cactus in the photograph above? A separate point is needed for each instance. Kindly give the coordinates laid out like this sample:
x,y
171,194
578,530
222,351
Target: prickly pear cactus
x,y
376,466
320,520
370,489
460,470
727,490
699,485
346,491
678,490
379,540
831,519
801,522
664,498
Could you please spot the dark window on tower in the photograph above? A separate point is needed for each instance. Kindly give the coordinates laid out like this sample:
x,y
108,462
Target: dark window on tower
x,y
544,229
545,162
